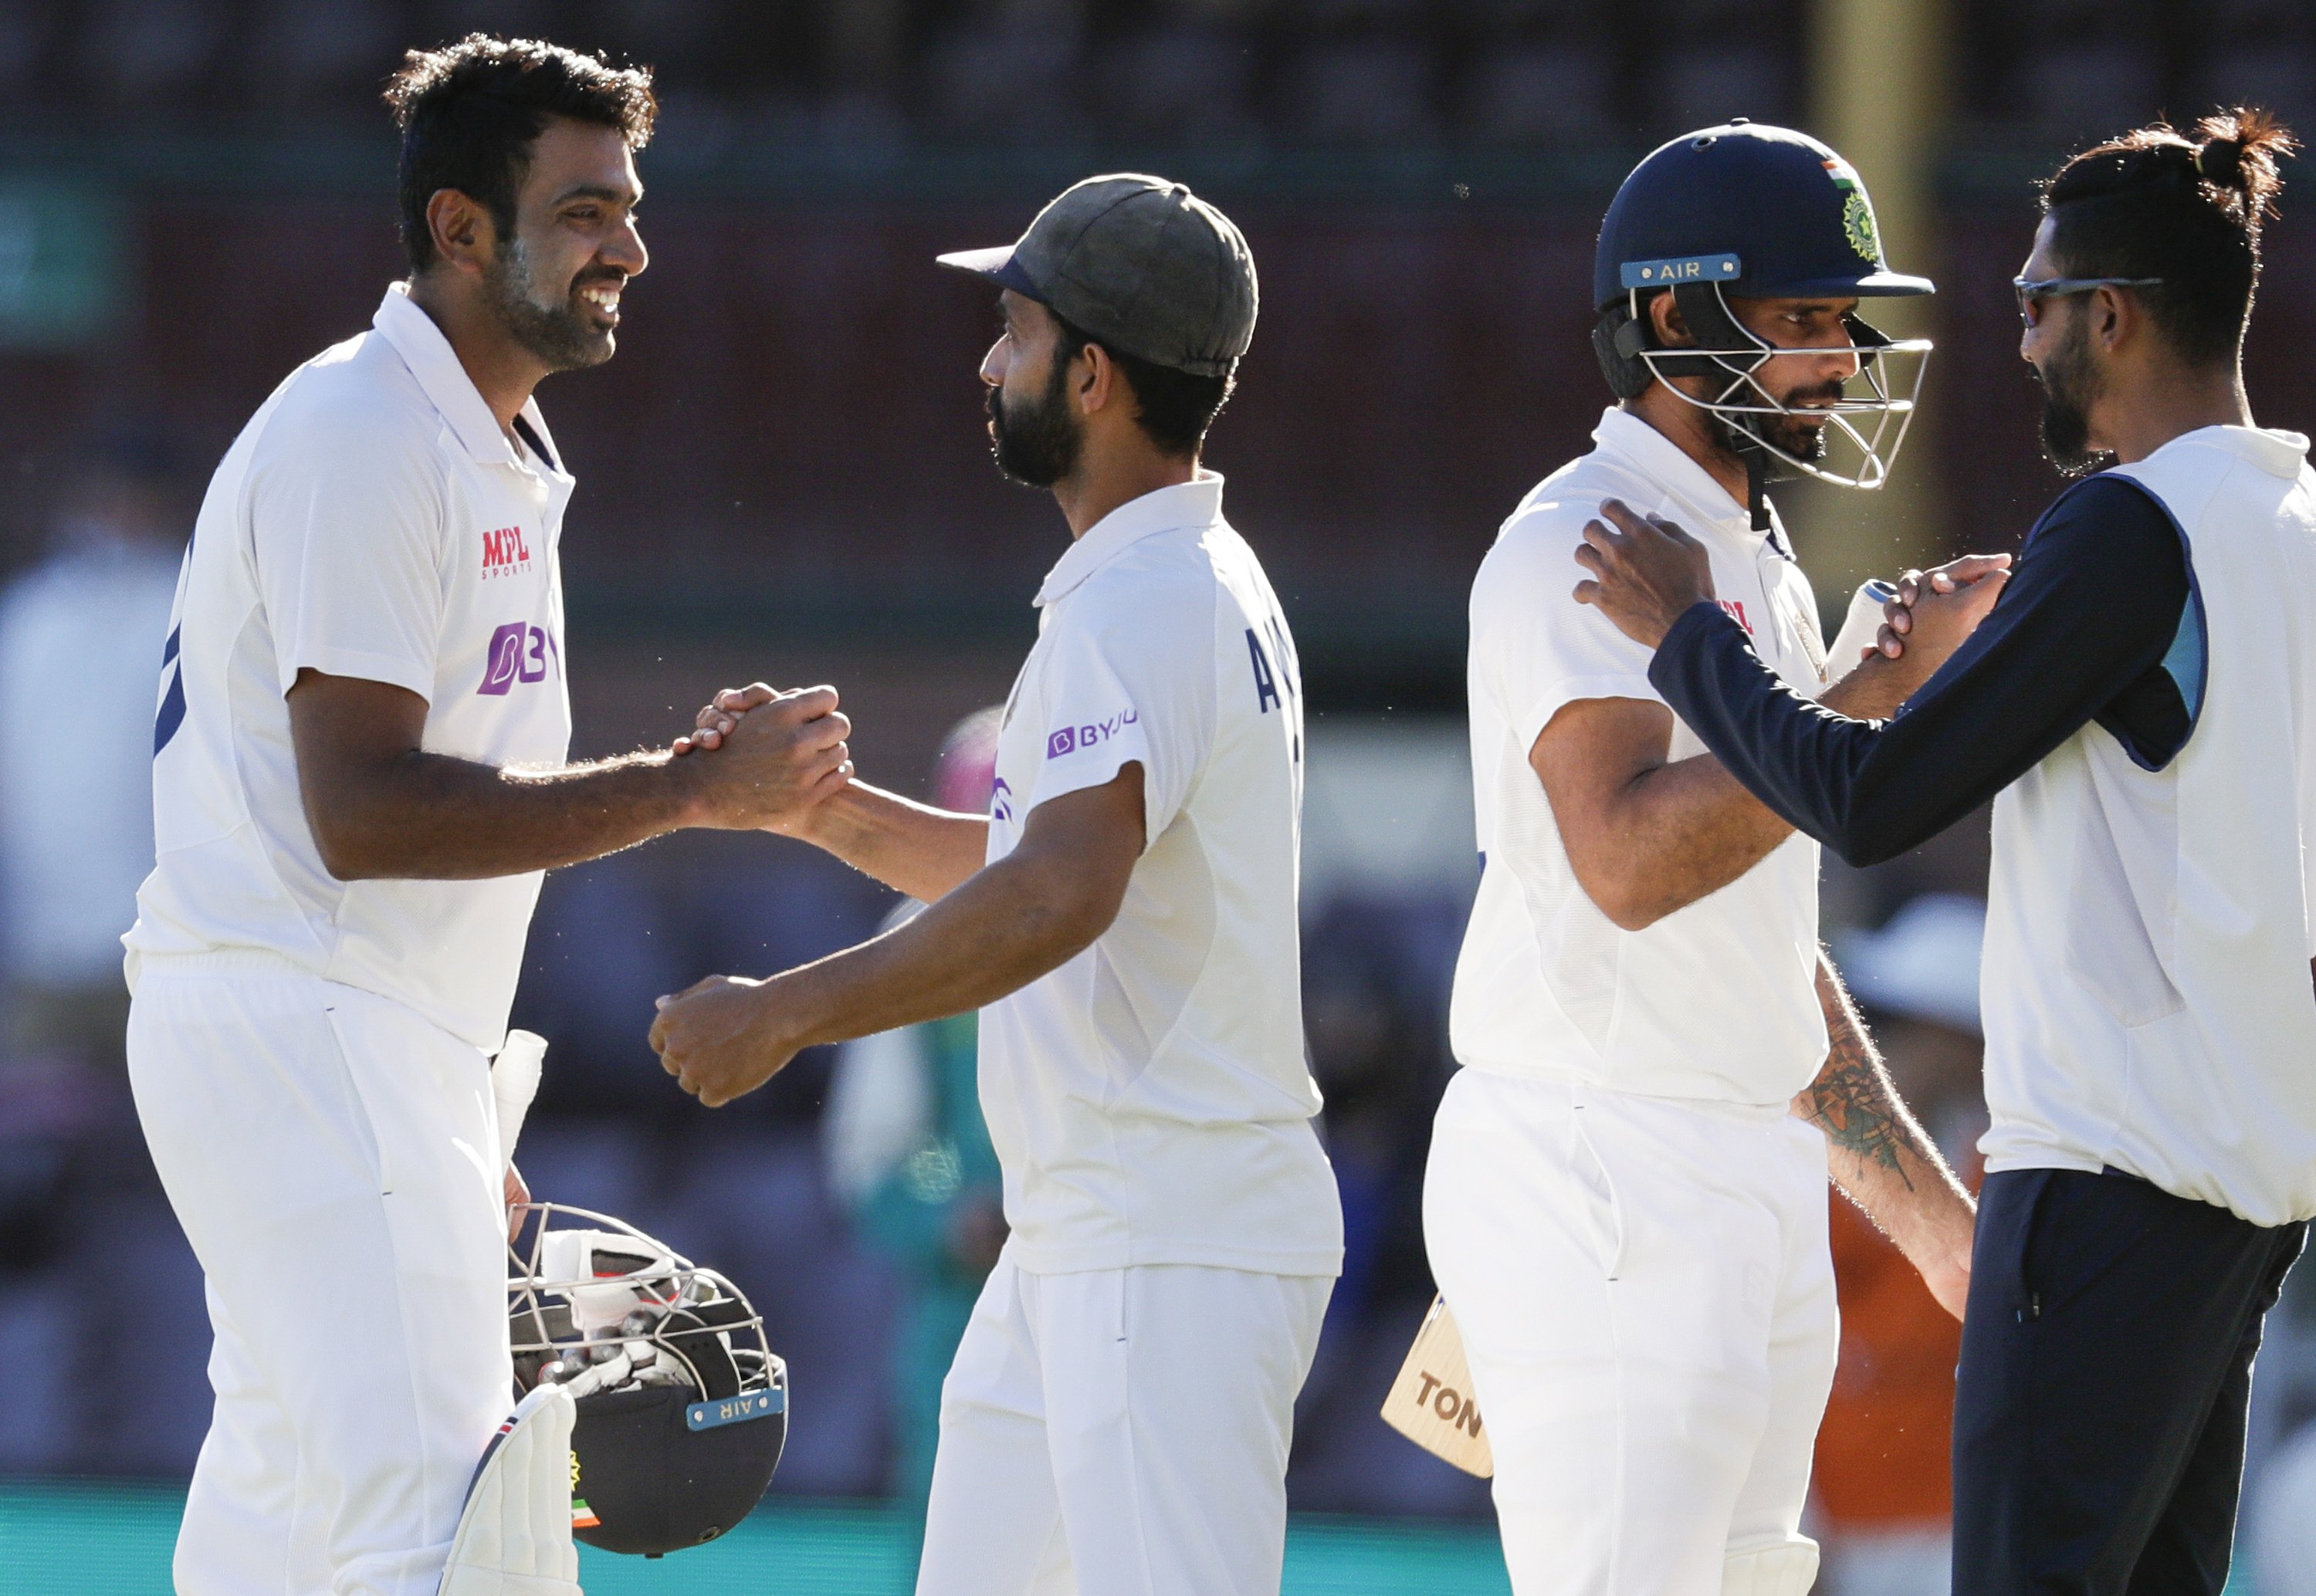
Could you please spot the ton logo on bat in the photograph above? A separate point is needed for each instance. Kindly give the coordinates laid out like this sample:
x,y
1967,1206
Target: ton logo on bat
x,y
1449,1403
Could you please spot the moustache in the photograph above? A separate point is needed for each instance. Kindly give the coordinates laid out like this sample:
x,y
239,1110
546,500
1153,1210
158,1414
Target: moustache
x,y
1830,392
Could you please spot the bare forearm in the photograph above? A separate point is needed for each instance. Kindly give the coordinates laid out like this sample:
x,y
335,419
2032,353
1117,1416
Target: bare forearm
x,y
1686,829
912,848
995,934
1874,690
1878,1155
1682,831
1700,829
431,817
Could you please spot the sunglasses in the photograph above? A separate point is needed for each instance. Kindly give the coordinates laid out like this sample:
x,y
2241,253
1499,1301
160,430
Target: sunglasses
x,y
2031,292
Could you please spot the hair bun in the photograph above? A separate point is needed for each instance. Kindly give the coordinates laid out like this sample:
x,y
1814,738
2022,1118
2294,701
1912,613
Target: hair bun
x,y
2220,161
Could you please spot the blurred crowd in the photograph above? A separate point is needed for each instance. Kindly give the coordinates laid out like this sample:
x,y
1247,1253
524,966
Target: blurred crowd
x,y
1295,72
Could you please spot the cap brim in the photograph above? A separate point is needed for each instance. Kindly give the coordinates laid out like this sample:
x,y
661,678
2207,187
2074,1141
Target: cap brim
x,y
993,265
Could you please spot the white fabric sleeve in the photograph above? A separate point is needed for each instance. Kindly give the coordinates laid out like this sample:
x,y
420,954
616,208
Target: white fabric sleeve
x,y
1118,691
348,545
1534,647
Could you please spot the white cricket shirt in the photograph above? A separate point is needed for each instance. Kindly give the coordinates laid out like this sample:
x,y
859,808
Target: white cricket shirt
x,y
371,520
1149,1099
1718,999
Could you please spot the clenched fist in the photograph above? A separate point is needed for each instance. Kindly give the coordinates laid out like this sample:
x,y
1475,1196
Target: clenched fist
x,y
774,764
721,1038
1934,611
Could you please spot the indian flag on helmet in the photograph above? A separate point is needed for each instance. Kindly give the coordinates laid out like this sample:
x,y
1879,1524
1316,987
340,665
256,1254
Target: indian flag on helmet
x,y
1856,211
583,1517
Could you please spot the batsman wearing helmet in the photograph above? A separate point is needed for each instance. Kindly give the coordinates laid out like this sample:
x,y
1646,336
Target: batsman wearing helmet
x,y
1625,1204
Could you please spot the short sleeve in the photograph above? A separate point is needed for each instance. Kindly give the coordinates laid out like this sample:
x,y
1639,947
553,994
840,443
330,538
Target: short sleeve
x,y
1117,691
348,537
1534,647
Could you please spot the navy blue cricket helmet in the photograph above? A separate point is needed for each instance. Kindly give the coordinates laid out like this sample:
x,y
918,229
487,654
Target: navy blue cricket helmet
x,y
1765,212
1750,211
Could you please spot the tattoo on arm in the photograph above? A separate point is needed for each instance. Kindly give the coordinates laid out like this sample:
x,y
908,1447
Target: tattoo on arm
x,y
1851,1100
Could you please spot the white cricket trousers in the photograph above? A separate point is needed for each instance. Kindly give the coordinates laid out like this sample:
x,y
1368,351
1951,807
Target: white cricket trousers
x,y
332,1159
1120,1433
1645,1293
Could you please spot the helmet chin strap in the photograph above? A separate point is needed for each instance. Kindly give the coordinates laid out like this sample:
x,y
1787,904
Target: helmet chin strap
x,y
1712,325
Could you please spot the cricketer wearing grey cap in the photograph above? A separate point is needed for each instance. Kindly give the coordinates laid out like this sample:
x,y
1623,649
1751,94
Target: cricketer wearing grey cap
x,y
1141,263
1117,1416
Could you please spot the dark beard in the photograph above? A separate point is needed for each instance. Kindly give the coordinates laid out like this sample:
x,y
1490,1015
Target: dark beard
x,y
1802,439
561,339
1037,445
2070,382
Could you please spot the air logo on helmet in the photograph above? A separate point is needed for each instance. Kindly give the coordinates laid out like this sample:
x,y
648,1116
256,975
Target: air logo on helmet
x,y
732,1410
1681,269
1856,212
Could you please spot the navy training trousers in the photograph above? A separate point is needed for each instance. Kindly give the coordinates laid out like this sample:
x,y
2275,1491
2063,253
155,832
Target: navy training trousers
x,y
2106,1376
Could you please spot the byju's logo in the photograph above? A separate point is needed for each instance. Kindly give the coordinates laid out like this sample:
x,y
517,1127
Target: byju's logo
x,y
518,653
1069,739
504,553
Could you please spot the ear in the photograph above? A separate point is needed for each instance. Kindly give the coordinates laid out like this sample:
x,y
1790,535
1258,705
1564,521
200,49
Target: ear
x,y
465,237
2113,317
1098,384
1665,318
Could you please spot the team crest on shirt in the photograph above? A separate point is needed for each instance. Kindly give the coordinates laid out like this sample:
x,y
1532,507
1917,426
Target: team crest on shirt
x,y
504,553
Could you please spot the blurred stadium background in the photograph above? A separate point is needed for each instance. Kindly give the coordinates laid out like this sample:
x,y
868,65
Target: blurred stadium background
x,y
783,476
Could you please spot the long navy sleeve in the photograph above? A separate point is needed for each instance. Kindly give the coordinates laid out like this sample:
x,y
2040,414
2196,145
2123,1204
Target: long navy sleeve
x,y
2099,623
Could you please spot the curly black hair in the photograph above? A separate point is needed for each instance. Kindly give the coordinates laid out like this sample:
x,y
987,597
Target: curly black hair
x,y
471,111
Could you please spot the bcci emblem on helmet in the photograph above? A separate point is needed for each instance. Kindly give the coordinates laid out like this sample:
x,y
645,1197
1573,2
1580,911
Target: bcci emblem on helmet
x,y
682,1407
1856,212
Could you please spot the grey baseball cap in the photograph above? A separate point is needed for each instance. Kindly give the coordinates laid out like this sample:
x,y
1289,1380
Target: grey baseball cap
x,y
1139,262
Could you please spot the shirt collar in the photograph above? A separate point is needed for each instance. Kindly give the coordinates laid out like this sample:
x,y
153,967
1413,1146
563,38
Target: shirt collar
x,y
2279,453
448,388
1197,503
1665,462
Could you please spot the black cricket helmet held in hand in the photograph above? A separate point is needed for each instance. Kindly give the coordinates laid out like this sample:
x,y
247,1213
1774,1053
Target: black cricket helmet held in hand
x,y
682,1405
1760,212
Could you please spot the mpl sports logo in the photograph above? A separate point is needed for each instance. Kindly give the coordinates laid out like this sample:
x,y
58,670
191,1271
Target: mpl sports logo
x,y
519,653
504,553
1069,739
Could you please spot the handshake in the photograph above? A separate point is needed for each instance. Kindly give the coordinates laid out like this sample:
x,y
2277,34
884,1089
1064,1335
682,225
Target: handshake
x,y
777,754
